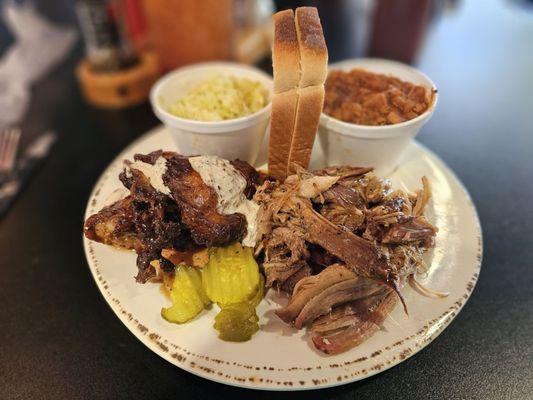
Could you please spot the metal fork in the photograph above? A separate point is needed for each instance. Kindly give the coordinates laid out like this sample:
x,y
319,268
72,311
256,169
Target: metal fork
x,y
9,142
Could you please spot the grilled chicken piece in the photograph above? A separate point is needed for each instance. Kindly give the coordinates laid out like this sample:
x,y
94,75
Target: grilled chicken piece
x,y
114,225
145,221
157,225
197,202
250,174
198,206
149,221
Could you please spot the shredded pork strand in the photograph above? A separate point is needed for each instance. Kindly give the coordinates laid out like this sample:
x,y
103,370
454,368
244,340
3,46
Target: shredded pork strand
x,y
354,219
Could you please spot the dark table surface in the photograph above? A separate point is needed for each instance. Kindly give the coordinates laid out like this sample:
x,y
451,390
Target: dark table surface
x,y
59,338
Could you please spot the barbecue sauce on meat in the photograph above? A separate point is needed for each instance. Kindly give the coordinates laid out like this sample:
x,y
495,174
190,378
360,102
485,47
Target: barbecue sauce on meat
x,y
149,221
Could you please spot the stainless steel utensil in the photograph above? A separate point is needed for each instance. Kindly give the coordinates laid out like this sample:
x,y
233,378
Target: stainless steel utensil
x,y
27,165
9,142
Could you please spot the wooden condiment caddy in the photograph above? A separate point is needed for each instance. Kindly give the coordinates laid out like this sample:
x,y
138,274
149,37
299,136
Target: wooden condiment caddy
x,y
121,88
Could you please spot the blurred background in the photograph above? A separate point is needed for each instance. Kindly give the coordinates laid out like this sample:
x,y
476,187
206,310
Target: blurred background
x,y
151,37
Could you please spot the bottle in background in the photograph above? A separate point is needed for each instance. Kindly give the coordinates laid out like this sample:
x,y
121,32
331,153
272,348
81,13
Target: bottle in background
x,y
104,31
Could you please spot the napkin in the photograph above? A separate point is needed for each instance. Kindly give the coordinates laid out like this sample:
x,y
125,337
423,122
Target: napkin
x,y
39,46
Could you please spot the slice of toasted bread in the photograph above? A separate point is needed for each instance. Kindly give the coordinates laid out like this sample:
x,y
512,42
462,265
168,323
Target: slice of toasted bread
x,y
286,68
313,63
310,102
281,131
285,52
312,47
299,59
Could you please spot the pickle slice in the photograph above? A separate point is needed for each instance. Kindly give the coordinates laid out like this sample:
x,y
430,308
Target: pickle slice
x,y
237,322
259,292
187,295
231,275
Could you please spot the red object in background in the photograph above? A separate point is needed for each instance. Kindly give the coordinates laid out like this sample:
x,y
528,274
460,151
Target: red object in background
x,y
398,29
135,20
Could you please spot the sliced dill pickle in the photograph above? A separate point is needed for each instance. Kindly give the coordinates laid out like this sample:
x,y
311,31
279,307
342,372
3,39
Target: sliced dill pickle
x,y
259,293
187,295
231,278
237,322
231,275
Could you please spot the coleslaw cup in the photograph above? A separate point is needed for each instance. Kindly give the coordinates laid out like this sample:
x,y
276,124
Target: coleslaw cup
x,y
231,139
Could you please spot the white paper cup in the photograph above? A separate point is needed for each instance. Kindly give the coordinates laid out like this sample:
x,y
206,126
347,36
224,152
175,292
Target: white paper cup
x,y
235,138
381,147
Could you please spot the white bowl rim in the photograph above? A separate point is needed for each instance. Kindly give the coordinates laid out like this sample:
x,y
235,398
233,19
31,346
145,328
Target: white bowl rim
x,y
354,62
229,123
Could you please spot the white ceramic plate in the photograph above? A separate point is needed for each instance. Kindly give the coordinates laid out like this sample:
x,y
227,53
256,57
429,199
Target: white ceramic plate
x,y
279,357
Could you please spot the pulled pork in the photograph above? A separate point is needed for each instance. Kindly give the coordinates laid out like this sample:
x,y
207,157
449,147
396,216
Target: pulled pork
x,y
352,243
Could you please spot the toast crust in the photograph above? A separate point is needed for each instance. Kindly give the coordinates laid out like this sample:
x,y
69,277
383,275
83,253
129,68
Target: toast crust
x,y
284,107
285,52
312,47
